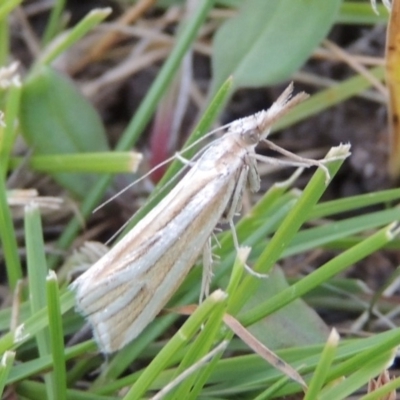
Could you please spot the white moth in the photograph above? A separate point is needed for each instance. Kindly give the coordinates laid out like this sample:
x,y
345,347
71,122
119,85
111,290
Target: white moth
x,y
125,290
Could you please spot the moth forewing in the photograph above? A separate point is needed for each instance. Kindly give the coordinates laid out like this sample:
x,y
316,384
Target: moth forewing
x,y
125,290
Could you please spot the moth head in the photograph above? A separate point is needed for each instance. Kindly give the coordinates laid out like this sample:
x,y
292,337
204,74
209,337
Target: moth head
x,y
251,137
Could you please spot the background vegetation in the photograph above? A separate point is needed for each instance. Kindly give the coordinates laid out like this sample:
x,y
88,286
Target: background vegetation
x,y
92,84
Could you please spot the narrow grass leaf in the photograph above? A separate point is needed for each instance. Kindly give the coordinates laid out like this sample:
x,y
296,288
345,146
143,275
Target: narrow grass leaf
x,y
59,375
329,208
54,24
8,132
299,213
121,361
323,274
76,33
4,40
181,338
7,7
7,361
99,162
9,238
373,351
36,366
32,325
380,393
203,376
198,349
7,232
237,270
321,372
229,376
204,341
352,12
316,237
37,272
189,371
270,391
36,391
354,382
288,228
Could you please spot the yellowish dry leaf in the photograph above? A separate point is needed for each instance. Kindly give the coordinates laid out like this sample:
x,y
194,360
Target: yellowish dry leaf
x,y
393,82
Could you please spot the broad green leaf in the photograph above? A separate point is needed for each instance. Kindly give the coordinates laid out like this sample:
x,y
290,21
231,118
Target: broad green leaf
x,y
57,119
269,40
220,3
294,325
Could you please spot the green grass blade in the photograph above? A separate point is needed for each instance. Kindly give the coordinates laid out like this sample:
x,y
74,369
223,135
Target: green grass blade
x,y
4,40
34,324
36,391
199,348
7,7
383,391
98,162
377,348
54,25
9,239
321,372
364,372
203,376
270,391
287,229
8,132
37,272
319,236
181,338
37,366
77,32
7,233
237,270
352,12
6,364
59,375
333,207
323,274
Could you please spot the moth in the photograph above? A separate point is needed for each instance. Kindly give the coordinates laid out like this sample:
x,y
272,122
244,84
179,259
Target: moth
x,y
126,289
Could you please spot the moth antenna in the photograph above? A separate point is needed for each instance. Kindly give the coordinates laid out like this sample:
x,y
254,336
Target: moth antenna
x,y
133,183
136,181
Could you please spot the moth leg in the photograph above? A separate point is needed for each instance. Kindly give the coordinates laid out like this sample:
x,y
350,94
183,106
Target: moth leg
x,y
301,161
253,176
236,203
184,160
81,335
290,163
207,270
